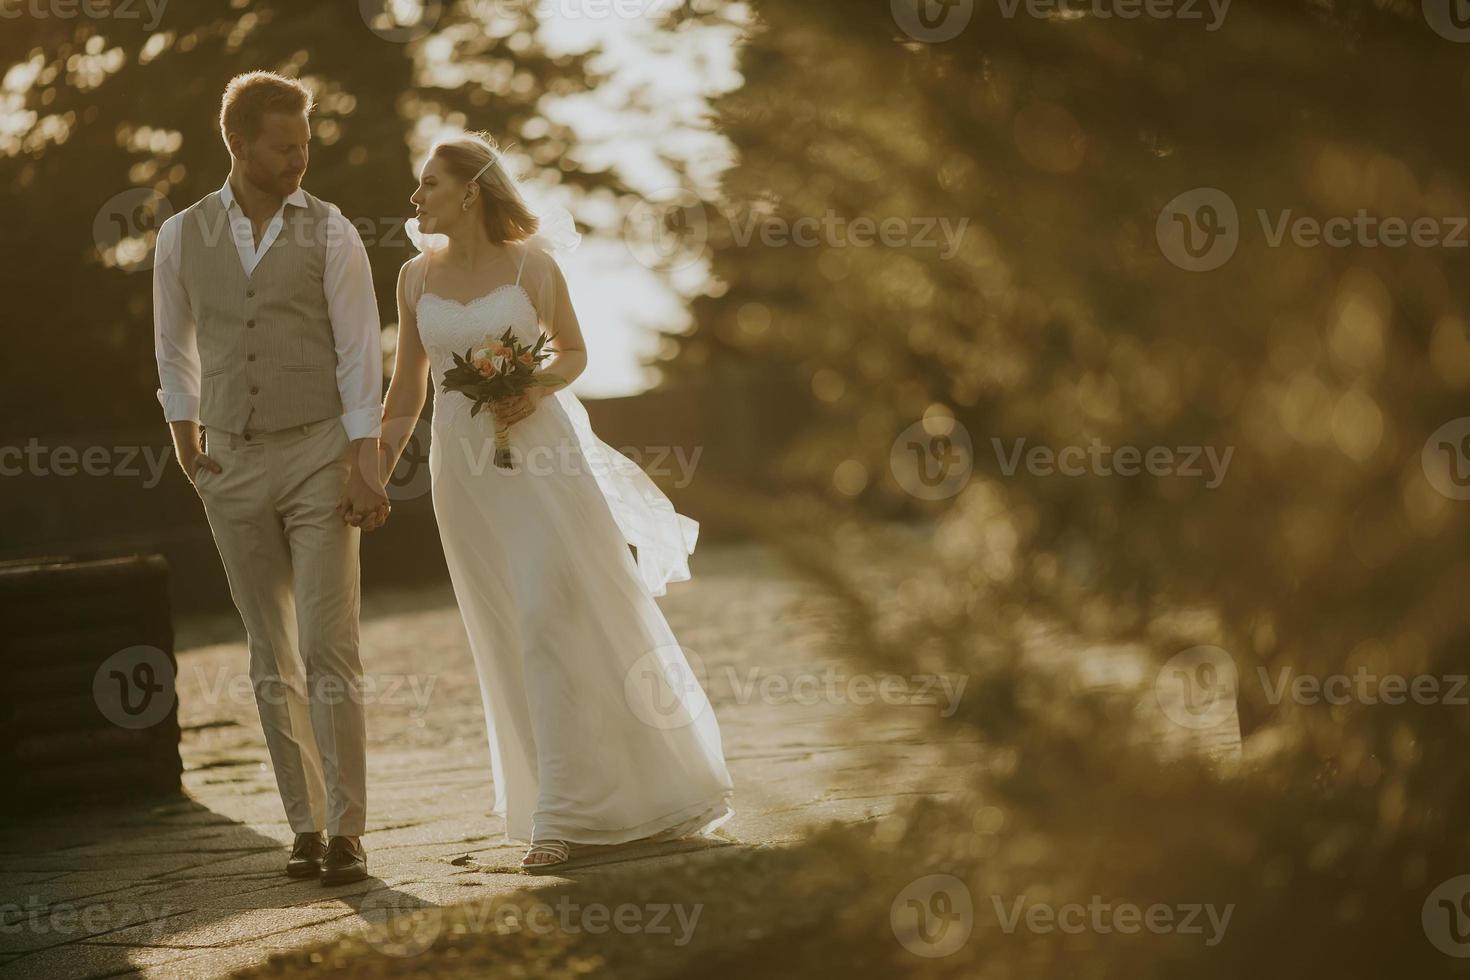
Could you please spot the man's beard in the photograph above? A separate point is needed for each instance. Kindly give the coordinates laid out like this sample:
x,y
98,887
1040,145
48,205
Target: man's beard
x,y
282,184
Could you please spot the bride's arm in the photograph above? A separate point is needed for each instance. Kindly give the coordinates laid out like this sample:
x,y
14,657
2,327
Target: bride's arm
x,y
408,388
560,320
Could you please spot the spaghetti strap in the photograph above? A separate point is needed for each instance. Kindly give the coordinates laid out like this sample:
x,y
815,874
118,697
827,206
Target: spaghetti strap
x,y
520,267
421,275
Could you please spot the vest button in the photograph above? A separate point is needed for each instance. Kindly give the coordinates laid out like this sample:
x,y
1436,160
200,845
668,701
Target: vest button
x,y
250,358
249,323
254,390
249,292
247,437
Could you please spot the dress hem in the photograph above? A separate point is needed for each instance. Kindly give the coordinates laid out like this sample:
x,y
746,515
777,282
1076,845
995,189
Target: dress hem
x,y
701,819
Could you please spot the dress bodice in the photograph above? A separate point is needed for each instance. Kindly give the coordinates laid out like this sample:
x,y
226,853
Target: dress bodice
x,y
448,327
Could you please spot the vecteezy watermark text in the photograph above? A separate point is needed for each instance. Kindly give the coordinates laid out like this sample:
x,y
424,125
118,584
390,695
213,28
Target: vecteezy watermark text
x,y
672,228
1097,459
1103,917
937,21
1363,686
34,459
90,9
1200,230
68,921
1199,687
1212,12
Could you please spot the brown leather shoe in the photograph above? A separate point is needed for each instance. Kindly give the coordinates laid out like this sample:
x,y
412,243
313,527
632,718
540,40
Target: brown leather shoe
x,y
306,855
345,861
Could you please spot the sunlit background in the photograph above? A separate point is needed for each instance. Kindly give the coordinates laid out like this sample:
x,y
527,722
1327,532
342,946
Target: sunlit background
x,y
650,101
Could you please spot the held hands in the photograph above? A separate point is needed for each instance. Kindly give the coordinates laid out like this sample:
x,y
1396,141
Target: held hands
x,y
364,500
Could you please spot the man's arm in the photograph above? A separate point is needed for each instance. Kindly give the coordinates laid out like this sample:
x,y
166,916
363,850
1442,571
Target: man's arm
x,y
176,349
357,337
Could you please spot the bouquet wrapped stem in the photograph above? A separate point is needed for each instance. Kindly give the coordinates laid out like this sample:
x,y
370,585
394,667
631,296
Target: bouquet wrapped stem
x,y
501,368
503,457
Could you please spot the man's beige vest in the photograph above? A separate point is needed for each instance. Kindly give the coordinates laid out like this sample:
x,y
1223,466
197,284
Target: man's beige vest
x,y
265,340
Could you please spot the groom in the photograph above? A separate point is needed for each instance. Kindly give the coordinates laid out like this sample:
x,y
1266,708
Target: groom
x,y
266,331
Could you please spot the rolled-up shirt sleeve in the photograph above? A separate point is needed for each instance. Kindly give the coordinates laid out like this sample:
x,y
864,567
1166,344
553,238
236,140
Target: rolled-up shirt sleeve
x,y
175,339
356,330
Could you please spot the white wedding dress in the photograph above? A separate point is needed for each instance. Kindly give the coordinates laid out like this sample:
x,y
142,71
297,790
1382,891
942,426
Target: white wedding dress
x,y
599,731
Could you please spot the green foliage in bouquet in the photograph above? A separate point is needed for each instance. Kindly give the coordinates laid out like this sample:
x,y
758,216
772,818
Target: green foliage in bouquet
x,y
516,373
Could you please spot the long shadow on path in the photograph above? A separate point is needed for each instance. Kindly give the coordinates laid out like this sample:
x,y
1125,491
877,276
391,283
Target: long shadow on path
x,y
169,883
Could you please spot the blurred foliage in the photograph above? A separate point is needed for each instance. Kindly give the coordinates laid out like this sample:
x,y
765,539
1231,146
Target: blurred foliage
x,y
105,117
1060,321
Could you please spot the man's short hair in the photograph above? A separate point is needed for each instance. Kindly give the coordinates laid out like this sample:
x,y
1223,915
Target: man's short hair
x,y
250,96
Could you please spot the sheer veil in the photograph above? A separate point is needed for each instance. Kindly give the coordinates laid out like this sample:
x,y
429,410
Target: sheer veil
x,y
664,539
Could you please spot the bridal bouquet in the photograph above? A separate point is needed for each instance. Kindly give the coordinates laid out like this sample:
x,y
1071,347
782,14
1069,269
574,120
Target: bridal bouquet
x,y
499,369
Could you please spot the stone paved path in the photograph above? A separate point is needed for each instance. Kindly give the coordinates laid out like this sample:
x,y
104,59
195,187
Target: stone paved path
x,y
194,887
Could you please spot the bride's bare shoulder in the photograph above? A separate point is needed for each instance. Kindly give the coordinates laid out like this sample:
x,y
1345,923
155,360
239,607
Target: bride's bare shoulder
x,y
537,259
530,249
413,266
411,277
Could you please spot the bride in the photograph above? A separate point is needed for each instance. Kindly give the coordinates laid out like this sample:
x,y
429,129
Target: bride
x,y
599,732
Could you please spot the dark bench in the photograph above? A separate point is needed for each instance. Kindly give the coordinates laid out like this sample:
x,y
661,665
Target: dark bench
x,y
88,709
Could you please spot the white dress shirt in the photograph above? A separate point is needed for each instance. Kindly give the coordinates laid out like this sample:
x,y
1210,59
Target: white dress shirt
x,y
351,305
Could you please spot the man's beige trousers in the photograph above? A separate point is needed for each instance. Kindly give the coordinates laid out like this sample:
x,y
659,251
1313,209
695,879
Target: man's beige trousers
x,y
292,565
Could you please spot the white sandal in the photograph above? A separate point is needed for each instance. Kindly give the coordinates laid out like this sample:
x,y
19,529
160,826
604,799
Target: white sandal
x,y
557,850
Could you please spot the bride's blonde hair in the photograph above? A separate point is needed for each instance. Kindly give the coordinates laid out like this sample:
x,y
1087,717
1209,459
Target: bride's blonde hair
x,y
507,216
